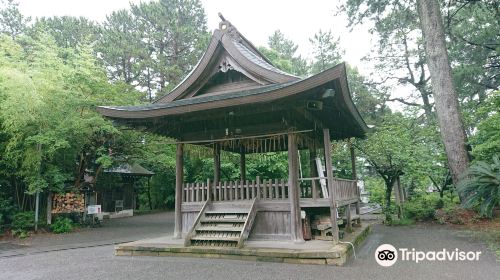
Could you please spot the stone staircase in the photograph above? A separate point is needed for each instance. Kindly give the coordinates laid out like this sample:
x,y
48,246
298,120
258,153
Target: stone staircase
x,y
220,225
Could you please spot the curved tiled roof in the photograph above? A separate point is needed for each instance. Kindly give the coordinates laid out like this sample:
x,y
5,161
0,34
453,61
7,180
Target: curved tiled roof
x,y
227,42
252,56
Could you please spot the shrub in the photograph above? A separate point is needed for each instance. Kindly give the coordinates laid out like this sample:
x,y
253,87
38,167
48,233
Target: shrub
x,y
456,215
422,207
22,223
62,225
7,211
481,187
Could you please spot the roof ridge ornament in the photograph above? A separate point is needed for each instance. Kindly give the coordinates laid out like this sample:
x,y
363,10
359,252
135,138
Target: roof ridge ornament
x,y
227,27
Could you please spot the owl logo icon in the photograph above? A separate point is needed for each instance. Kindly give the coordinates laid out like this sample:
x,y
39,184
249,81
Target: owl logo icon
x,y
386,255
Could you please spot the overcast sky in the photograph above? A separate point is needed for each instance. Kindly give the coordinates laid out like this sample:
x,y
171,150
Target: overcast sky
x,y
256,19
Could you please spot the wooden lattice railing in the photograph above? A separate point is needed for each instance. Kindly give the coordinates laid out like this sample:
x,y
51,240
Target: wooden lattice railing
x,y
236,190
266,189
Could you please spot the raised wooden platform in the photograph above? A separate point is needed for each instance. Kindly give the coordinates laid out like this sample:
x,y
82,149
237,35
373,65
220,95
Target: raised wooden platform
x,y
309,252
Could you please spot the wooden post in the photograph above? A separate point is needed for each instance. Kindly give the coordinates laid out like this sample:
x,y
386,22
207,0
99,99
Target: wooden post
x,y
179,175
257,180
355,178
209,190
49,208
242,164
293,187
216,163
329,176
313,172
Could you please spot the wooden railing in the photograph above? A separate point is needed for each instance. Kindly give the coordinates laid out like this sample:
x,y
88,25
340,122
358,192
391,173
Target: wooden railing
x,y
345,189
195,192
266,189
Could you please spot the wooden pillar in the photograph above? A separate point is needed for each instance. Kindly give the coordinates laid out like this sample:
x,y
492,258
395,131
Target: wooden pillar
x,y
179,175
49,208
353,160
293,189
355,178
209,190
216,163
313,172
329,176
243,168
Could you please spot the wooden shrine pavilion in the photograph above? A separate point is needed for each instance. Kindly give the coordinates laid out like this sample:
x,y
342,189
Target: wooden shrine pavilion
x,y
235,100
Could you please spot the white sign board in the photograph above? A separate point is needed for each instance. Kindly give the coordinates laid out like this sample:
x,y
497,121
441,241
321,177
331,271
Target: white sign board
x,y
93,209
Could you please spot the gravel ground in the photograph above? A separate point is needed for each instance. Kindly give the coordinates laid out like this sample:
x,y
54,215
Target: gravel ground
x,y
100,263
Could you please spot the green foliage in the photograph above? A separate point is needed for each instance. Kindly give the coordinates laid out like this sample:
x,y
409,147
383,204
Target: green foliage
x,y
268,166
62,225
154,44
326,51
7,211
376,187
22,223
368,99
12,22
481,186
68,32
47,113
422,208
400,147
486,142
281,53
471,29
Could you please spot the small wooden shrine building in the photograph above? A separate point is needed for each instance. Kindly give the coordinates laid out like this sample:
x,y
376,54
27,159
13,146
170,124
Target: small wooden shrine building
x,y
236,100
118,190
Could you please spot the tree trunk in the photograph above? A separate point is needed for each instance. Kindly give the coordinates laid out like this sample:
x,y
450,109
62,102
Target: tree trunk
x,y
149,196
389,183
447,107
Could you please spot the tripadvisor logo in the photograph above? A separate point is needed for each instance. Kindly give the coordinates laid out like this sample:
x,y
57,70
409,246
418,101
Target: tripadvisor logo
x,y
387,255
